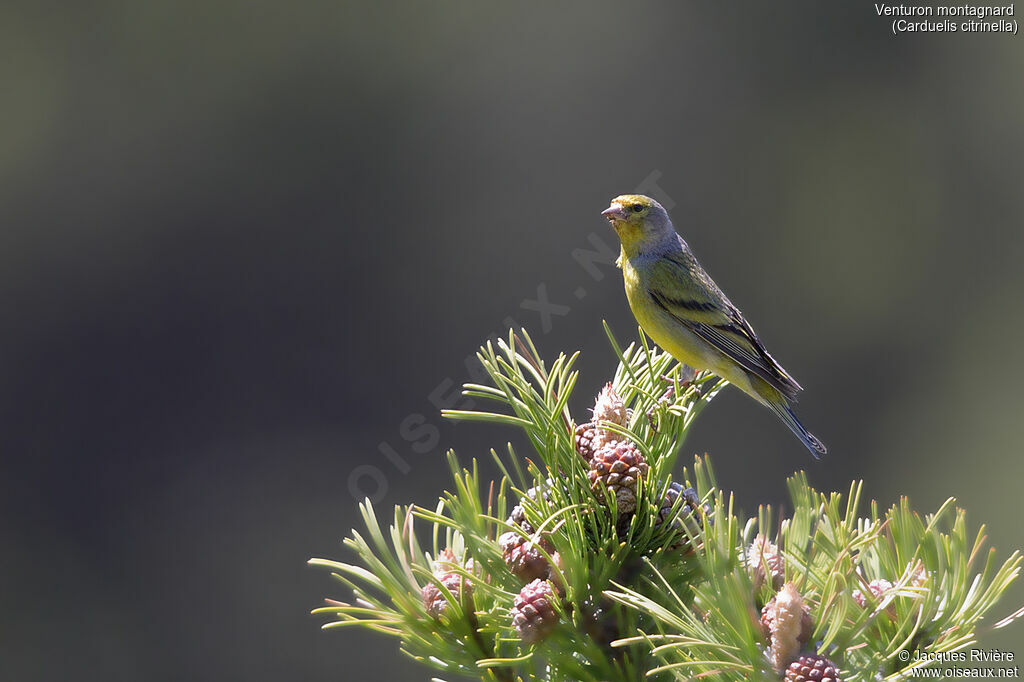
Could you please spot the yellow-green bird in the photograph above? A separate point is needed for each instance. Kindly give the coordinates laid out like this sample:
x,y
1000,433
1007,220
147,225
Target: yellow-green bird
x,y
683,311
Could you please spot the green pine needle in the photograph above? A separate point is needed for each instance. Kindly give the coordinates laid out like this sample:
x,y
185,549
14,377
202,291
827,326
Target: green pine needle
x,y
635,604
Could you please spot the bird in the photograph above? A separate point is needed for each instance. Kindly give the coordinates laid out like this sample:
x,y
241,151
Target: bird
x,y
684,312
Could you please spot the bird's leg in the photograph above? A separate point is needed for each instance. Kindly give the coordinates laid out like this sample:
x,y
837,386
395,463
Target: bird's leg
x,y
675,389
680,386
686,371
691,378
650,419
665,398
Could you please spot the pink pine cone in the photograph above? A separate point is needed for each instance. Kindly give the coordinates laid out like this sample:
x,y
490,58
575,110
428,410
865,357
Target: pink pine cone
x,y
618,467
812,668
458,585
523,557
876,587
534,614
765,561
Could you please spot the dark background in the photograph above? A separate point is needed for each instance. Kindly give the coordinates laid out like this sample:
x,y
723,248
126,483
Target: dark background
x,y
241,242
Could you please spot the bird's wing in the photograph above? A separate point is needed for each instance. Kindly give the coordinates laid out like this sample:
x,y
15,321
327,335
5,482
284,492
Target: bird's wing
x,y
680,286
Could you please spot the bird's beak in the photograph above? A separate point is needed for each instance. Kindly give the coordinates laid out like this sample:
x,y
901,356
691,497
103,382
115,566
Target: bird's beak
x,y
614,212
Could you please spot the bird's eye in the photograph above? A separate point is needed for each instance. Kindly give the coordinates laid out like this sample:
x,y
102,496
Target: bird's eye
x,y
637,208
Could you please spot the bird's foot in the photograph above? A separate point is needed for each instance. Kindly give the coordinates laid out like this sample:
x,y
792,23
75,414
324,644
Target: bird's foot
x,y
663,402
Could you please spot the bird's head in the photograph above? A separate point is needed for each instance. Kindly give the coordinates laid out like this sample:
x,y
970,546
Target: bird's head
x,y
639,221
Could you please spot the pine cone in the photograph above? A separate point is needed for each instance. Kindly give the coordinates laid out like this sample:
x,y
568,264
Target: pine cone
x,y
522,556
768,623
434,599
787,622
584,436
518,518
518,515
920,575
877,587
618,467
609,407
812,668
686,517
763,556
591,436
534,615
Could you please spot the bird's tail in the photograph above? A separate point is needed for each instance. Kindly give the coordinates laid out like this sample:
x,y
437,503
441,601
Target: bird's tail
x,y
811,441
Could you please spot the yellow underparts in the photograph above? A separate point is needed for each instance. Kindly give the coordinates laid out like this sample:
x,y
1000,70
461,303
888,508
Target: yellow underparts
x,y
669,334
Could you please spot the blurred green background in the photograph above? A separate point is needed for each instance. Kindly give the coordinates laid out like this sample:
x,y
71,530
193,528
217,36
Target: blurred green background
x,y
242,244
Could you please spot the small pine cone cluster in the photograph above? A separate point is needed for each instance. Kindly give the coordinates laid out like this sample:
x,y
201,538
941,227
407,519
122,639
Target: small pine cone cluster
x,y
769,623
920,576
786,622
535,613
682,519
591,436
434,599
764,560
812,668
608,407
617,467
876,587
518,518
518,515
585,434
523,557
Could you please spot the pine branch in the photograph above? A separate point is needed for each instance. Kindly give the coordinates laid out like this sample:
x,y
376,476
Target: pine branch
x,y
599,560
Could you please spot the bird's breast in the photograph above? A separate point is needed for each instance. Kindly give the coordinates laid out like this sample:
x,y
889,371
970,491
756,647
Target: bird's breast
x,y
669,334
